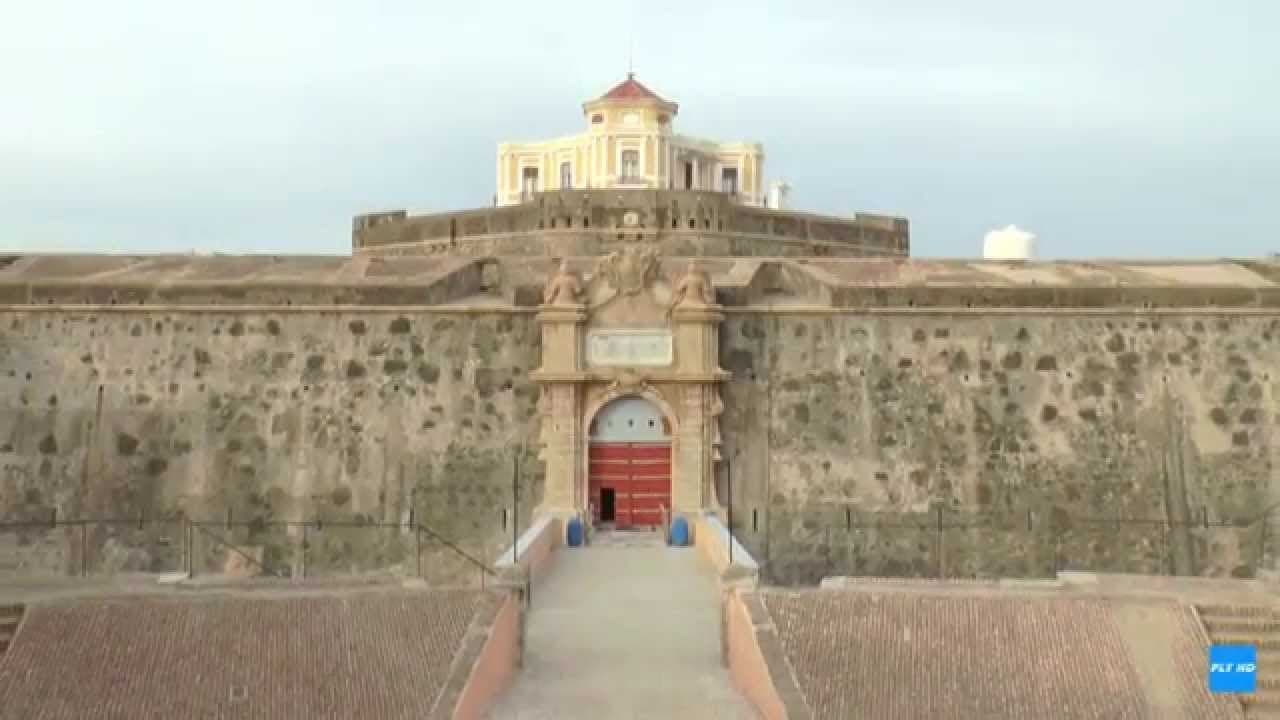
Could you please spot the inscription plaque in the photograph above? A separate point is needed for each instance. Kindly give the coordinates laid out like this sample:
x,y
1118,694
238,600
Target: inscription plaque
x,y
642,348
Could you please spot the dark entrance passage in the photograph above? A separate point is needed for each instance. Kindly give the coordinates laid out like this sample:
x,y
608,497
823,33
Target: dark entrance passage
x,y
606,505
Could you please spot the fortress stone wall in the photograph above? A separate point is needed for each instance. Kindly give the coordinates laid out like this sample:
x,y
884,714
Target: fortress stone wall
x,y
1037,427
134,403
1029,400
599,221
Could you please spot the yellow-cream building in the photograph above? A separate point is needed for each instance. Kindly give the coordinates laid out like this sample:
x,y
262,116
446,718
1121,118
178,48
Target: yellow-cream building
x,y
630,143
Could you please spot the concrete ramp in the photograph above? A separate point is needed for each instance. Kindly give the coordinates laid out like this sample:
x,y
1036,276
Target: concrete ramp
x,y
624,628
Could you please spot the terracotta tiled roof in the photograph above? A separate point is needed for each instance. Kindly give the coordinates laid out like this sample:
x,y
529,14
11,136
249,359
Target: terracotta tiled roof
x,y
631,89
384,655
911,655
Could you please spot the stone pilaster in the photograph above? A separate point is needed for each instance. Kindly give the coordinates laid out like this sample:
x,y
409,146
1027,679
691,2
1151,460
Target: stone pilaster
x,y
696,331
561,405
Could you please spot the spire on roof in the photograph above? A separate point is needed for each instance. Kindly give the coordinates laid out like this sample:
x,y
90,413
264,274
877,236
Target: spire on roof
x,y
631,89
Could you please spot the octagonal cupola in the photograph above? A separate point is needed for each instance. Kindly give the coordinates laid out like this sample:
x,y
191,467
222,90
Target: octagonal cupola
x,y
630,106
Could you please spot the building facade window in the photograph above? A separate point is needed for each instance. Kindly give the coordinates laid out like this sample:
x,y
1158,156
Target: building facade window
x,y
566,175
630,165
528,182
729,180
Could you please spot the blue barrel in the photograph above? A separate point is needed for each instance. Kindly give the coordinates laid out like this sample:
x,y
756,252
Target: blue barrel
x,y
680,532
575,532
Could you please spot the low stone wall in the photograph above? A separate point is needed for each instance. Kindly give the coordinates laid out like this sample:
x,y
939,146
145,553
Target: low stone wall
x,y
493,652
756,660
713,541
533,553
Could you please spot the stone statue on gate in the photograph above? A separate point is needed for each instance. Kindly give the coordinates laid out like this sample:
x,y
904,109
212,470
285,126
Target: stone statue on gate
x,y
694,289
564,288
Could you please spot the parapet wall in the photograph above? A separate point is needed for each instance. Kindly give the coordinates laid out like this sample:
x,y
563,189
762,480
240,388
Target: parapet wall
x,y
583,222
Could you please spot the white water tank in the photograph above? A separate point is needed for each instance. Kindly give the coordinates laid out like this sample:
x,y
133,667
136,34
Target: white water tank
x,y
778,192
1011,243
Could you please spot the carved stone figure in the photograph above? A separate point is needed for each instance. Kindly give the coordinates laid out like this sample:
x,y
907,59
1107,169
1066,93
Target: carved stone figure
x,y
630,270
714,413
564,288
628,381
694,289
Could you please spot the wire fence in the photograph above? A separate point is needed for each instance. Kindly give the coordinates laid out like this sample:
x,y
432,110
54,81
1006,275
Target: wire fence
x,y
799,546
227,547
794,545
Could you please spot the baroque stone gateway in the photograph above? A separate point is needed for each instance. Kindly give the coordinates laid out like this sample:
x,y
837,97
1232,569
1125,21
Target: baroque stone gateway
x,y
641,328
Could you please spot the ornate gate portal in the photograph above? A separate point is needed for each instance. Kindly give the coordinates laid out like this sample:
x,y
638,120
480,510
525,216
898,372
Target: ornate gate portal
x,y
629,465
630,397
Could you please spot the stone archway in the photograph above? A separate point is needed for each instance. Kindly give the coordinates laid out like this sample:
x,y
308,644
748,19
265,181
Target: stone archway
x,y
629,452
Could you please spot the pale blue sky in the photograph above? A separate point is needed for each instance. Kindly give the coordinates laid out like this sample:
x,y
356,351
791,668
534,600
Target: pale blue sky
x,y
1122,128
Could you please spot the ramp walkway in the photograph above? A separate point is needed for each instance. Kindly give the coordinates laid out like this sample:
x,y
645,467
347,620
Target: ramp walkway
x,y
628,629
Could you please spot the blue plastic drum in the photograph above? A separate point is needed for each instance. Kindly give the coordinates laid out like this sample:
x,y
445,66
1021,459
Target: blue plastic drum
x,y
574,532
680,532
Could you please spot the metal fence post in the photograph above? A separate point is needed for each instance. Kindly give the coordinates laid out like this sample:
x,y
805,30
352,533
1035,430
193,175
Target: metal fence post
x,y
938,524
728,473
1262,542
515,509
84,548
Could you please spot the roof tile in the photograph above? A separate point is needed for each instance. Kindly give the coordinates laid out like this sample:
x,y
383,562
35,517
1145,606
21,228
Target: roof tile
x,y
384,655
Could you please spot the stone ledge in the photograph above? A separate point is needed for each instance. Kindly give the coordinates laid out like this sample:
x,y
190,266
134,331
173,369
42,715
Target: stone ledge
x,y
781,674
1027,311
461,309
465,663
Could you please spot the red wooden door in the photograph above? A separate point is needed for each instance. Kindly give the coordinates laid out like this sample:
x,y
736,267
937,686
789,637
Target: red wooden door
x,y
639,474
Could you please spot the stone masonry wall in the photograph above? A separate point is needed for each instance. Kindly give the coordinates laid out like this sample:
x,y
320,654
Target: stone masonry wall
x,y
1035,431
345,416
679,212
674,243
1111,441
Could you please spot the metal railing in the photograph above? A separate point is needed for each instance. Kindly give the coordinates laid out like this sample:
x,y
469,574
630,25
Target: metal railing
x,y
152,545
801,545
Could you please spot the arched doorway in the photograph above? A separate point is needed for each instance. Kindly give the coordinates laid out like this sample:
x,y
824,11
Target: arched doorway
x,y
629,473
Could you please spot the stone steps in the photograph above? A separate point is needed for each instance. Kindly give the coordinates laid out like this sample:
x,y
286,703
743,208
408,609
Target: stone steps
x,y
1262,704
1261,640
1238,611
1258,626
627,538
10,618
1248,625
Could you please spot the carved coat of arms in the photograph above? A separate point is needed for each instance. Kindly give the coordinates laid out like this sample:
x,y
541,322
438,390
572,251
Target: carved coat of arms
x,y
631,270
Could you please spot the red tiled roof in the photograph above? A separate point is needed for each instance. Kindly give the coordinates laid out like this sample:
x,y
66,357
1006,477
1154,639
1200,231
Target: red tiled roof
x,y
907,655
631,89
384,655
